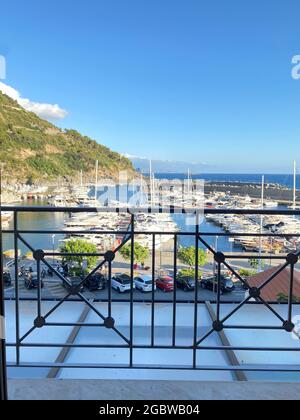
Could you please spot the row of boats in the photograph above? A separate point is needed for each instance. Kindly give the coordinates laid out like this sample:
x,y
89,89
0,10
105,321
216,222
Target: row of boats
x,y
90,225
241,225
94,227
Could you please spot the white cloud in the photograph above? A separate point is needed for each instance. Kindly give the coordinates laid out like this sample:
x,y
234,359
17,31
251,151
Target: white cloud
x,y
46,111
128,156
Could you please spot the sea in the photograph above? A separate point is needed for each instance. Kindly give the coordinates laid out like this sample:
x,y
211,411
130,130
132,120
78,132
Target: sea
x,y
285,180
55,221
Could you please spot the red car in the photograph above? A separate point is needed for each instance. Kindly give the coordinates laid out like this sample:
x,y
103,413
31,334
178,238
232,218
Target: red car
x,y
165,283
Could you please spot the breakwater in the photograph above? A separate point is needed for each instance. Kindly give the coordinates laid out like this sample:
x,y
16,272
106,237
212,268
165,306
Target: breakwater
x,y
281,194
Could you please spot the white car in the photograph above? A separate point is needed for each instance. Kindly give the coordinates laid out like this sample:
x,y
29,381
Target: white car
x,y
121,283
144,283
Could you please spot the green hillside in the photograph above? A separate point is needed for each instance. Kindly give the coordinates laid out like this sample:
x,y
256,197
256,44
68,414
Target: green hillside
x,y
33,149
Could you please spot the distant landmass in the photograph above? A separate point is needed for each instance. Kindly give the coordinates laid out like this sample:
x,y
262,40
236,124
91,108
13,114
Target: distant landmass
x,y
33,149
166,166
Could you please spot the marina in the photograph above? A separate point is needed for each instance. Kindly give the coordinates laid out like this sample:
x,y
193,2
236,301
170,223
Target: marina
x,y
154,192
238,225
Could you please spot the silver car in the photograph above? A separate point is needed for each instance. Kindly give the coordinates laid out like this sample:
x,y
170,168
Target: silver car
x,y
144,283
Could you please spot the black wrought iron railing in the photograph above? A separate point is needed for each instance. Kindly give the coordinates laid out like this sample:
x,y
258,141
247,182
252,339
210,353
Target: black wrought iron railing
x,y
107,320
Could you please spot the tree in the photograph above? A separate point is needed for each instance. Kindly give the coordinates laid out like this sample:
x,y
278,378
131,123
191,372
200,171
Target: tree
x,y
188,256
141,253
79,246
254,263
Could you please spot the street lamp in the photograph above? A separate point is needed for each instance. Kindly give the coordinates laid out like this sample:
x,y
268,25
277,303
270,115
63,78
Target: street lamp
x,y
216,250
53,246
215,265
231,241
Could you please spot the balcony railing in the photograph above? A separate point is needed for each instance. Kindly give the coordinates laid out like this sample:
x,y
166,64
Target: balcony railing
x,y
197,342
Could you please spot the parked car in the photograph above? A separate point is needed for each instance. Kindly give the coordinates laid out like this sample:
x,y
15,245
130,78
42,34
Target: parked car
x,y
32,281
240,285
144,283
165,283
95,282
7,278
186,283
211,283
74,281
121,283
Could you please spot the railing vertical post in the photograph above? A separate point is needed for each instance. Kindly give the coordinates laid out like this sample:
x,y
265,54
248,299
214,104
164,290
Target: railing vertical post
x,y
219,292
175,290
17,297
291,294
3,373
39,290
109,289
196,291
132,262
153,291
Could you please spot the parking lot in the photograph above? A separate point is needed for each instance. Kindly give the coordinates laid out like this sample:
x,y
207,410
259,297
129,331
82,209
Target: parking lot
x,y
53,289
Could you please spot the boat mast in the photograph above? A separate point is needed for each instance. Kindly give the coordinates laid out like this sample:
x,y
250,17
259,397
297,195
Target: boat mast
x,y
153,188
151,184
96,179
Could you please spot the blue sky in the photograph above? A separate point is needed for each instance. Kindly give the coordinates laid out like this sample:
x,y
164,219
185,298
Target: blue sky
x,y
201,81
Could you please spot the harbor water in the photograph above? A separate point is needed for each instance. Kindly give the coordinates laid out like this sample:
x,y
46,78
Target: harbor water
x,y
55,221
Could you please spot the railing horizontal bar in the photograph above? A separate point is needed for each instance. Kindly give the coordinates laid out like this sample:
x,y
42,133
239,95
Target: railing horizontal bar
x,y
69,345
236,256
157,347
244,368
158,210
74,324
71,254
162,233
249,348
255,256
252,327
138,300
71,232
254,235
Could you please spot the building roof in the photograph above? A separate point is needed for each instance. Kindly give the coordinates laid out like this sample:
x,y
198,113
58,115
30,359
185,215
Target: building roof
x,y
280,285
